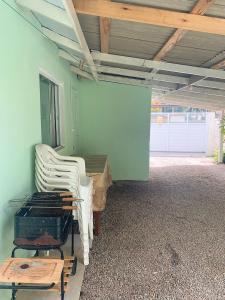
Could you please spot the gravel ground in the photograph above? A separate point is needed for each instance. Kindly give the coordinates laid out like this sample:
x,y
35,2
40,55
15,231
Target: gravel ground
x,y
163,239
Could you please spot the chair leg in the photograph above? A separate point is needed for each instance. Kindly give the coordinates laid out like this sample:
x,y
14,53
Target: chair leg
x,y
86,249
84,234
90,227
97,221
62,286
14,294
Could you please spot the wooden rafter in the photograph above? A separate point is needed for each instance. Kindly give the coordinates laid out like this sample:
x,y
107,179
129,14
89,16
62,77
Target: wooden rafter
x,y
81,73
219,65
105,25
148,15
104,33
47,10
194,103
199,9
151,64
162,78
67,18
68,4
61,40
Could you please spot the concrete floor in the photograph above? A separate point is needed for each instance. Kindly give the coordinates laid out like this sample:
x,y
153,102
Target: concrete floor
x,y
163,239
177,154
180,159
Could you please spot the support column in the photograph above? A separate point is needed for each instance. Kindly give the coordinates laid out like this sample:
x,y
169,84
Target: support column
x,y
220,150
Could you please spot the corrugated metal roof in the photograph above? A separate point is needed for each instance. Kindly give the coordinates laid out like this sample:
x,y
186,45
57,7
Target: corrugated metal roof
x,y
144,41
177,5
142,32
217,9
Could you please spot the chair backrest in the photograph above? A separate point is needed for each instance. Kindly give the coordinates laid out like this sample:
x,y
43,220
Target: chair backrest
x,y
47,154
52,170
43,187
46,166
55,180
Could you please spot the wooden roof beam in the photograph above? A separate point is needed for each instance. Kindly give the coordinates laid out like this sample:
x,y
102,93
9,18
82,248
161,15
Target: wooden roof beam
x,y
68,18
151,64
219,65
204,100
148,15
199,9
198,104
47,10
61,40
144,75
105,24
72,15
81,72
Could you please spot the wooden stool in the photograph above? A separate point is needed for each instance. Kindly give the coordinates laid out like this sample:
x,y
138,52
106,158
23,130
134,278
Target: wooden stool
x,y
31,274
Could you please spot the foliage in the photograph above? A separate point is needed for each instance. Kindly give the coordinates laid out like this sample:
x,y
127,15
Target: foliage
x,y
216,156
222,125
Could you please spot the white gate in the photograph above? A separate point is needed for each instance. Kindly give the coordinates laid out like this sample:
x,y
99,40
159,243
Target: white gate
x,y
179,132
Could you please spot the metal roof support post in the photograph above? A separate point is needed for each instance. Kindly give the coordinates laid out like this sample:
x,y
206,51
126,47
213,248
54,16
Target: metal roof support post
x,y
221,137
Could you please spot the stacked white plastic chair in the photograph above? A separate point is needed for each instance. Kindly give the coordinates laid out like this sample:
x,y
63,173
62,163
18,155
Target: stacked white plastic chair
x,y
54,172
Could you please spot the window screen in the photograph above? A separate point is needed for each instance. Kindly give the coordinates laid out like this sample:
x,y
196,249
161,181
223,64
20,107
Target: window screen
x,y
50,121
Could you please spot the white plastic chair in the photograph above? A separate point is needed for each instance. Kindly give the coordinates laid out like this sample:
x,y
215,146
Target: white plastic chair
x,y
86,227
54,172
52,184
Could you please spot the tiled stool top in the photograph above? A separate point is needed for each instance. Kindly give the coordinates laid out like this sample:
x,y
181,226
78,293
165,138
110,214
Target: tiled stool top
x,y
31,270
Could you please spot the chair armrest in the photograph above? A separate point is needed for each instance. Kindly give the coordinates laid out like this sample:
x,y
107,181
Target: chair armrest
x,y
61,167
79,160
86,181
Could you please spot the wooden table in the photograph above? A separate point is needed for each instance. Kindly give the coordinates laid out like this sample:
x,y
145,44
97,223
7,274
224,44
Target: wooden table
x,y
97,167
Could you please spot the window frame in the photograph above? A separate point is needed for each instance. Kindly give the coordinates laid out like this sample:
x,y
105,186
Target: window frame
x,y
61,101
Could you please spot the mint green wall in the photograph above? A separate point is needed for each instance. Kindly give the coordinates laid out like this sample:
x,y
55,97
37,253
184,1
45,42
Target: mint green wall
x,y
23,51
115,120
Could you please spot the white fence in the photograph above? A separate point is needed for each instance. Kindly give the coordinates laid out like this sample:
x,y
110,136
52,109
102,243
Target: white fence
x,y
183,132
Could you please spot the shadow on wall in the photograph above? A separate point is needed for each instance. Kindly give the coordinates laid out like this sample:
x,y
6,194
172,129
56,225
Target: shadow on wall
x,y
8,208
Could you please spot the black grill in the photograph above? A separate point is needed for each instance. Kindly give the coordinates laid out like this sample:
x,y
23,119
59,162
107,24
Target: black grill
x,y
42,222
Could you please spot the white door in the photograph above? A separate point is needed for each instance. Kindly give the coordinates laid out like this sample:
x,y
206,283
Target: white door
x,y
181,132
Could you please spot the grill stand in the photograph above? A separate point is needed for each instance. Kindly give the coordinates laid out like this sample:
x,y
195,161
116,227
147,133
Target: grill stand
x,y
74,267
15,287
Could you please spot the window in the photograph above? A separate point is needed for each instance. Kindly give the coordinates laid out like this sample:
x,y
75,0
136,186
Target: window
x,y
178,117
50,119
